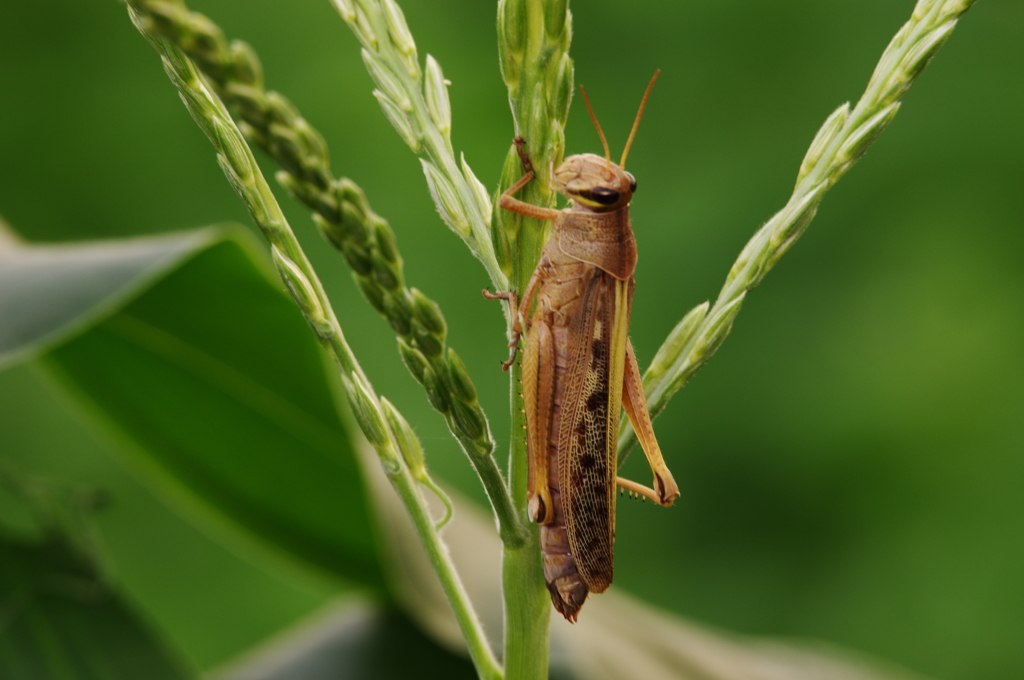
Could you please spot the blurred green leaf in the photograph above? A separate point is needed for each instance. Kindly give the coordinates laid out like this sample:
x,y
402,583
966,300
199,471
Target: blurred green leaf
x,y
208,599
58,620
354,641
48,293
188,357
617,637
624,638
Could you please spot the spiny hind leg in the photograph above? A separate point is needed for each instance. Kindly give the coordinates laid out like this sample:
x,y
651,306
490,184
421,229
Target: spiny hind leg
x,y
637,489
665,490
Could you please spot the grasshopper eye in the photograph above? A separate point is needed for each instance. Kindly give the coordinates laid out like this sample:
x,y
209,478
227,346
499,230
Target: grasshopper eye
x,y
604,195
632,183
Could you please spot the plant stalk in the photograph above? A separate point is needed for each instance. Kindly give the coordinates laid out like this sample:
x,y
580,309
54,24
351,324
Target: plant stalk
x,y
533,46
526,599
487,667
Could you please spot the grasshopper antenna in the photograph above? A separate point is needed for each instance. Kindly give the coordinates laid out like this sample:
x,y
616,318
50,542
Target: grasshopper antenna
x,y
600,133
636,123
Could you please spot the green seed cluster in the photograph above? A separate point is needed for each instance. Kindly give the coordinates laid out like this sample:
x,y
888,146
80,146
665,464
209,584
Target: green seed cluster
x,y
384,427
415,101
340,209
843,138
244,175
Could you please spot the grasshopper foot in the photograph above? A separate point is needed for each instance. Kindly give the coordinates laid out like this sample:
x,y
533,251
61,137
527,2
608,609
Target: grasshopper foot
x,y
514,344
524,158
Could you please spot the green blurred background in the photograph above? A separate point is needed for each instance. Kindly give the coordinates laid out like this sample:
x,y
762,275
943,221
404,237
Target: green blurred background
x,y
851,462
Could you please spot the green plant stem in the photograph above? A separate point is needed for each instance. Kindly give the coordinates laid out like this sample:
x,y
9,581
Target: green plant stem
x,y
487,667
245,176
533,46
526,599
844,137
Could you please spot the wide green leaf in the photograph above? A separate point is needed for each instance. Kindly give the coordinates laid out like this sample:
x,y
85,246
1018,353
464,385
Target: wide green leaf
x,y
185,353
48,293
208,599
59,619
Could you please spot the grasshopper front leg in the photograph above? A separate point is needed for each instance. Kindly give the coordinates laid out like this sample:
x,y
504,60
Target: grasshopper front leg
x,y
511,204
508,202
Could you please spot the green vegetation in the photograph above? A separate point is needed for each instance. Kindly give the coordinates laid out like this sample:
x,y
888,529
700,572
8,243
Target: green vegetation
x,y
850,472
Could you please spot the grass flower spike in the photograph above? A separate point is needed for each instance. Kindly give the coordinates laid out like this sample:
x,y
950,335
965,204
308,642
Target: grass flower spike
x,y
418,108
343,215
844,137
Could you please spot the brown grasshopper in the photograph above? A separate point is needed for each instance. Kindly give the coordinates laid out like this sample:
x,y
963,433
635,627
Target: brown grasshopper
x,y
579,368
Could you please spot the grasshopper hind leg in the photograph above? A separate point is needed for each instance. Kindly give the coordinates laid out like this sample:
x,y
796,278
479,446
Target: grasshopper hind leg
x,y
665,490
538,400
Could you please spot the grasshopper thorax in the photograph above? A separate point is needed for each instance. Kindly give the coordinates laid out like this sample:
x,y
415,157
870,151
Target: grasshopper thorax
x,y
594,183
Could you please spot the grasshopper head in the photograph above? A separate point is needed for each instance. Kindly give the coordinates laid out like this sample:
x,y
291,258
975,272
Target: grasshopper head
x,y
594,183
